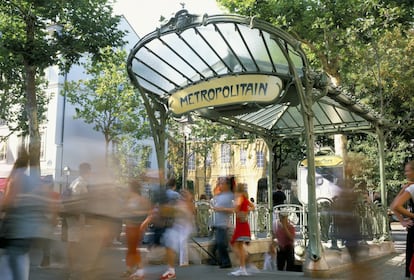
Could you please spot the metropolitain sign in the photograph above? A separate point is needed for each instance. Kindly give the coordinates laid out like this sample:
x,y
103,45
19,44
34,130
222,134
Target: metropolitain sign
x,y
226,91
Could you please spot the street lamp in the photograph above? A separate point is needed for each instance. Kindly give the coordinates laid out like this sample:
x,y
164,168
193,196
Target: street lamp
x,y
186,132
185,122
66,169
55,30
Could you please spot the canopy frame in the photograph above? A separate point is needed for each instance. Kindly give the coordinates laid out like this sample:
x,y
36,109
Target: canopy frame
x,y
192,50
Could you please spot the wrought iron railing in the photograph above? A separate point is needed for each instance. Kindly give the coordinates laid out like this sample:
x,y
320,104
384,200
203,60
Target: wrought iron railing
x,y
373,220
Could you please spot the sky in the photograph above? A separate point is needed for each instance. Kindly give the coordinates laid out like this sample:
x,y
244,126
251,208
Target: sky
x,y
144,15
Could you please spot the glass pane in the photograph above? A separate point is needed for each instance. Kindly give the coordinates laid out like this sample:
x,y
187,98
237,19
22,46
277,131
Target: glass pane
x,y
150,79
212,38
258,48
276,53
185,62
204,50
297,60
172,66
240,57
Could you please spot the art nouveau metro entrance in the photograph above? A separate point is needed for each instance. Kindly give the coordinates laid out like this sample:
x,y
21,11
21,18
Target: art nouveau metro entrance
x,y
247,74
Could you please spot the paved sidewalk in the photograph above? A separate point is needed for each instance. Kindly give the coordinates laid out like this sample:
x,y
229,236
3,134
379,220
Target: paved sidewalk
x,y
390,268
112,264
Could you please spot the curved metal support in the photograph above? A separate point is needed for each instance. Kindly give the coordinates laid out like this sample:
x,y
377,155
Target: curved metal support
x,y
270,145
381,150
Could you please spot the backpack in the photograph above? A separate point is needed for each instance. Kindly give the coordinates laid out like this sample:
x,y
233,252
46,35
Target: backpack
x,y
71,206
66,194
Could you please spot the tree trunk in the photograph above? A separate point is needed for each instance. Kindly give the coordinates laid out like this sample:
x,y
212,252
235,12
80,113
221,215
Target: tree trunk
x,y
34,135
107,142
31,103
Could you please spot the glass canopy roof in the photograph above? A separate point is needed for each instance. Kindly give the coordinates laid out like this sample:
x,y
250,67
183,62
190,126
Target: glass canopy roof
x,y
190,51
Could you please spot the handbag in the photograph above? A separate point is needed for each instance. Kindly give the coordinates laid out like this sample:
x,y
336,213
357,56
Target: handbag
x,y
242,216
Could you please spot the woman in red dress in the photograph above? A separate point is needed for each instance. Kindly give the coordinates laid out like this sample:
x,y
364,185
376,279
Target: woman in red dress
x,y
241,233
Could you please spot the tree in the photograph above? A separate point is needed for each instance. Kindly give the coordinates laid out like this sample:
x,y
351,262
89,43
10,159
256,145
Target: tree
x,y
132,157
26,41
366,46
326,27
107,100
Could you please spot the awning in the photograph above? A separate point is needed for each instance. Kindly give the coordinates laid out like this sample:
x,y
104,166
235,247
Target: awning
x,y
198,62
251,75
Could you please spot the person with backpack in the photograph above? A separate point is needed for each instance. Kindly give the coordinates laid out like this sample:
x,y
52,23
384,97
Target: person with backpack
x,y
75,219
23,218
51,215
223,210
135,212
171,235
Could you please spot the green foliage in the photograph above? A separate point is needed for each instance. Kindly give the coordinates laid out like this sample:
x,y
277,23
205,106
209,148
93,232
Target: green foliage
x,y
108,100
39,34
13,97
384,79
367,47
131,157
202,136
46,33
365,148
327,28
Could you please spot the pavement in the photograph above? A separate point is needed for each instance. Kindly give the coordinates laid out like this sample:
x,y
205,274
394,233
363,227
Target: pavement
x,y
112,264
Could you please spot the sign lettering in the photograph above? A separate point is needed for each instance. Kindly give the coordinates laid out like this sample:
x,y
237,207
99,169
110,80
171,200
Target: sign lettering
x,y
226,91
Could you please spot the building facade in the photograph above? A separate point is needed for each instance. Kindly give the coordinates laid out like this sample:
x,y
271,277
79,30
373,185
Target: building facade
x,y
245,160
65,141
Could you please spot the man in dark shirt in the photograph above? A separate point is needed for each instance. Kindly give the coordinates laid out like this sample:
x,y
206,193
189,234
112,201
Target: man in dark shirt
x,y
279,196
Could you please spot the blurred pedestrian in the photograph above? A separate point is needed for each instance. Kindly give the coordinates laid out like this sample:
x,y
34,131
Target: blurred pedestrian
x,y
74,212
279,197
185,224
135,212
269,262
24,221
171,235
223,210
213,250
52,218
348,220
284,235
404,215
241,234
118,223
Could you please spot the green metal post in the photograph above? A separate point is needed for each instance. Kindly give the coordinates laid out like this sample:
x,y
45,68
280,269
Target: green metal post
x,y
270,144
381,152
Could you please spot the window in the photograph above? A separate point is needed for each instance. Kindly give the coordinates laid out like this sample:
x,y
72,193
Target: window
x,y
225,153
243,156
260,159
42,146
208,190
191,161
145,156
3,150
208,159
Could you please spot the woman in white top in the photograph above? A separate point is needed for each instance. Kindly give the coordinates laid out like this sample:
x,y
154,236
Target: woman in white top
x,y
404,215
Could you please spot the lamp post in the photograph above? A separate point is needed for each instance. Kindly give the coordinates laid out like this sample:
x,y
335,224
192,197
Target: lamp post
x,y
66,169
186,133
185,122
54,30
